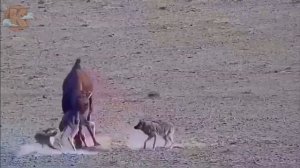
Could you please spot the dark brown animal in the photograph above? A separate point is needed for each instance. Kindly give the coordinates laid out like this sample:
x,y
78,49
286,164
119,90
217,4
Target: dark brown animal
x,y
77,99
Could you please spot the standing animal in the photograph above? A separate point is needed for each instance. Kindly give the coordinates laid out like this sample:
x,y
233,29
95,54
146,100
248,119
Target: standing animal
x,y
77,99
153,128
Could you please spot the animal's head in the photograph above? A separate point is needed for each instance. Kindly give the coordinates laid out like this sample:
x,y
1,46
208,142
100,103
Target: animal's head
x,y
140,125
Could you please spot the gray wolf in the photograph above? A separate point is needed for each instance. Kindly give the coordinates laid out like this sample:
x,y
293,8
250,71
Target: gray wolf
x,y
153,128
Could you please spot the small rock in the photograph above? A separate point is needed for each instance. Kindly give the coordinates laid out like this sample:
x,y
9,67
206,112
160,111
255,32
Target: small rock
x,y
288,68
233,143
41,2
44,96
162,8
153,94
66,38
246,92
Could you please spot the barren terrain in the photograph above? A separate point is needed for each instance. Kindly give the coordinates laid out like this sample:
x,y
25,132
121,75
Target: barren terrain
x,y
227,73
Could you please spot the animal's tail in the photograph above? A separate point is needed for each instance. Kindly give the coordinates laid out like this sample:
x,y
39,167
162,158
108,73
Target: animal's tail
x,y
77,64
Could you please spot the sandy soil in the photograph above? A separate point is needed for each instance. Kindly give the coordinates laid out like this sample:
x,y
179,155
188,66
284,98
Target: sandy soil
x,y
228,75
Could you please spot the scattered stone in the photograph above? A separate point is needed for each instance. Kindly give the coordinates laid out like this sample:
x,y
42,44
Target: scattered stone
x,y
233,143
153,94
162,8
295,1
247,92
288,68
32,77
66,38
41,2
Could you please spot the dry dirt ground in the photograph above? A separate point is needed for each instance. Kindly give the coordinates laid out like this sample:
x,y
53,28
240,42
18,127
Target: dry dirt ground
x,y
227,72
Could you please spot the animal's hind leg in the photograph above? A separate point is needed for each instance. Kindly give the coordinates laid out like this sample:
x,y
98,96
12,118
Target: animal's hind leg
x,y
166,140
90,107
82,136
171,138
91,128
74,131
154,142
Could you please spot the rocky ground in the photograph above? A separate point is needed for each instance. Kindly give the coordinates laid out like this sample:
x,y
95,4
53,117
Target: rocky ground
x,y
227,73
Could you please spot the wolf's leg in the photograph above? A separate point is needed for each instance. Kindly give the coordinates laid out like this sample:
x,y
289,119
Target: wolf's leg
x,y
149,137
154,142
166,140
171,138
